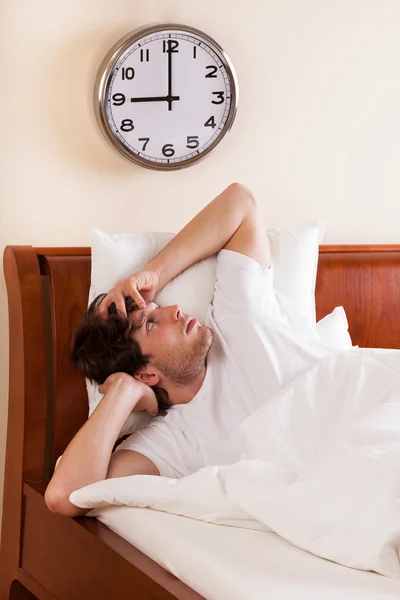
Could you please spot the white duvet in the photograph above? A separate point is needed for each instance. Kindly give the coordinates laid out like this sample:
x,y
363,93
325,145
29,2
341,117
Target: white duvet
x,y
320,467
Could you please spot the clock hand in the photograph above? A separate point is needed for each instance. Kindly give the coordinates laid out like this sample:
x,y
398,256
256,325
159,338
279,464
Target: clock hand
x,y
169,76
156,99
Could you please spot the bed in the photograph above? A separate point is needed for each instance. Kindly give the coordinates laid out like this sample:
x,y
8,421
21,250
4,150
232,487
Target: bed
x,y
146,554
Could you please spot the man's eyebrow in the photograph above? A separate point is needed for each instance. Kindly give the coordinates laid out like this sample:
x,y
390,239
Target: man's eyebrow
x,y
139,322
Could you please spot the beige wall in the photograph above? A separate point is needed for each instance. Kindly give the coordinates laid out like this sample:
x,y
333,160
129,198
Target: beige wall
x,y
317,133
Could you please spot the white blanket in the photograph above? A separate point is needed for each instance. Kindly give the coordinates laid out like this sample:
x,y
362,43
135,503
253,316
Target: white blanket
x,y
321,467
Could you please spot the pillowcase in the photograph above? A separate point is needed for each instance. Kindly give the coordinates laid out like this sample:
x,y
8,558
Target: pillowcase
x,y
333,330
295,258
294,254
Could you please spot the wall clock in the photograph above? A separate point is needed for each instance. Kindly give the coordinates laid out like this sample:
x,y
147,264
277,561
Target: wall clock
x,y
166,95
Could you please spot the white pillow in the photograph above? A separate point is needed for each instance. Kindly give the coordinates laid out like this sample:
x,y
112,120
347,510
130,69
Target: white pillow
x,y
333,330
294,254
295,258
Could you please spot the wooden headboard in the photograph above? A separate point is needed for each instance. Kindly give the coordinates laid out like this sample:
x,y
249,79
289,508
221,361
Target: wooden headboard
x,y
365,280
47,295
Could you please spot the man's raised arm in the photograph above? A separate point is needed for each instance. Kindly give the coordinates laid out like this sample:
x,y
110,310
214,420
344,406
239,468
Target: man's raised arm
x,y
209,231
232,220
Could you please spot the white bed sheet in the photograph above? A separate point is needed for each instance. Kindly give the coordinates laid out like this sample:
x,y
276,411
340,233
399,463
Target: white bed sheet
x,y
223,563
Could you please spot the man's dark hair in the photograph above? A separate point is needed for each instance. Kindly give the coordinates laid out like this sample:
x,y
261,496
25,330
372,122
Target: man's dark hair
x,y
103,346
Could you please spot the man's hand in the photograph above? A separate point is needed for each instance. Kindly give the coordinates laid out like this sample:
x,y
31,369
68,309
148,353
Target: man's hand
x,y
141,287
143,396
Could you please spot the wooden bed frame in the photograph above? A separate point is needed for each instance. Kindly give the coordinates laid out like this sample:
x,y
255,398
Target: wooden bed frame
x,y
44,555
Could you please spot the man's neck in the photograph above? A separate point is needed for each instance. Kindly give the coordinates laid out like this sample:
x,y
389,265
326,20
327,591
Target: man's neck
x,y
183,394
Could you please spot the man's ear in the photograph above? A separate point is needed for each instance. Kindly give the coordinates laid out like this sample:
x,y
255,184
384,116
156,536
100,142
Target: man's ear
x,y
150,379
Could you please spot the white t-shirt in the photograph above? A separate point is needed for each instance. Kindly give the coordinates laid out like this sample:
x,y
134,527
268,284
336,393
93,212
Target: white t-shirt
x,y
261,343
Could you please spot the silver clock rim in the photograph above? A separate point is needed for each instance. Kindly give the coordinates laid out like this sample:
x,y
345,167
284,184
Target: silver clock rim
x,y
103,78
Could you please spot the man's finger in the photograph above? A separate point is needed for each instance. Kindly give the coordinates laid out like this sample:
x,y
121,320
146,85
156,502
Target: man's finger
x,y
136,297
120,304
102,308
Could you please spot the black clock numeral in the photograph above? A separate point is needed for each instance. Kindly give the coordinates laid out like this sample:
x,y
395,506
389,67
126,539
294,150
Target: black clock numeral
x,y
210,123
118,99
212,72
170,46
168,150
146,141
142,55
128,73
194,51
220,96
127,125
194,140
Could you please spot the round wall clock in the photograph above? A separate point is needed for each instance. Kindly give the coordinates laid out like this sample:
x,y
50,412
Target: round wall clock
x,y
166,95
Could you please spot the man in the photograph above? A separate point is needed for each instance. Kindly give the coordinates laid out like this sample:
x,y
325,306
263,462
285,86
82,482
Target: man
x,y
210,378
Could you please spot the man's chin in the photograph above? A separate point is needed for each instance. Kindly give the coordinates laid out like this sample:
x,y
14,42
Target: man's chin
x,y
207,328
210,337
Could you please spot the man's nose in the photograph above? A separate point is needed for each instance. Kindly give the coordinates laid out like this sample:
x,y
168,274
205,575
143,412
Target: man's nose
x,y
174,312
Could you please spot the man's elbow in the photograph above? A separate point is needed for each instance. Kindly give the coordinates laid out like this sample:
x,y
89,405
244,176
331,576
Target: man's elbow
x,y
57,501
243,194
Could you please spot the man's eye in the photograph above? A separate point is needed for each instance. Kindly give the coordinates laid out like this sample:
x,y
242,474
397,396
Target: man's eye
x,y
149,325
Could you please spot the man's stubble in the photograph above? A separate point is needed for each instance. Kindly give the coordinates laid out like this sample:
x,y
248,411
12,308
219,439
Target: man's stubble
x,y
183,367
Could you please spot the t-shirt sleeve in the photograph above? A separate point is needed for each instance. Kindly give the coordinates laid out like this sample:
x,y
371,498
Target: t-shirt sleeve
x,y
164,445
242,285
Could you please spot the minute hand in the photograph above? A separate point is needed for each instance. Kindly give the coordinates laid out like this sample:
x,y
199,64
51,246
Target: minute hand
x,y
155,99
169,76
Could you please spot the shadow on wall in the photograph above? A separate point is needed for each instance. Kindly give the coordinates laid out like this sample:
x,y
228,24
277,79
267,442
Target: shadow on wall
x,y
67,103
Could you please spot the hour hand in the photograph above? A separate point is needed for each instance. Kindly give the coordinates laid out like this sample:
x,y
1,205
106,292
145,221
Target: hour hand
x,y
155,99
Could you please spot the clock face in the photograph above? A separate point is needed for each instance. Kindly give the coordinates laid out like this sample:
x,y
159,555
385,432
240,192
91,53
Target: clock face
x,y
166,96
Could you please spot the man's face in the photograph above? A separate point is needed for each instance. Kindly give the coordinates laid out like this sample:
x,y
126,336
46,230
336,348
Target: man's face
x,y
177,343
